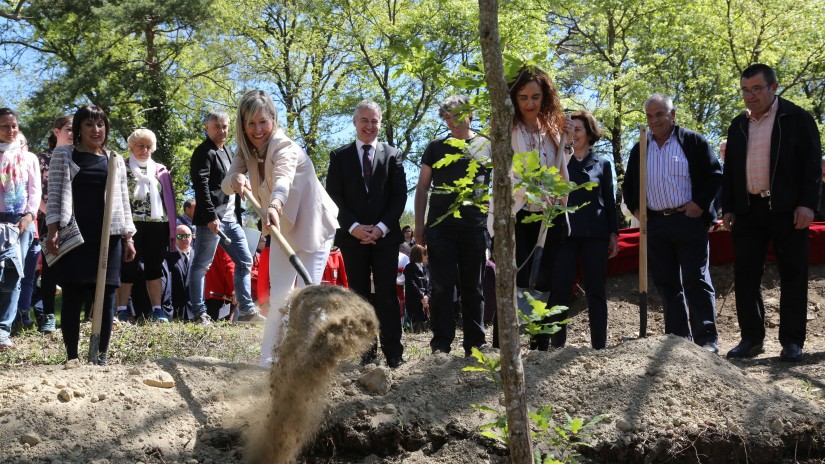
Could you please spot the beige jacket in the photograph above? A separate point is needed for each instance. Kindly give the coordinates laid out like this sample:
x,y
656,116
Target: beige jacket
x,y
309,214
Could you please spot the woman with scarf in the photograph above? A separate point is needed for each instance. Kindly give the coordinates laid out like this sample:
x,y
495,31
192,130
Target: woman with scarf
x,y
19,200
77,187
282,176
538,123
152,198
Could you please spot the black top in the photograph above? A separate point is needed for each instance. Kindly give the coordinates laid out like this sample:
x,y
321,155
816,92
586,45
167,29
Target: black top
x,y
440,201
796,154
384,202
597,218
703,166
207,168
79,266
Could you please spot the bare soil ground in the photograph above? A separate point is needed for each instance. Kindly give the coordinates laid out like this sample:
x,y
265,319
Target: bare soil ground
x,y
668,400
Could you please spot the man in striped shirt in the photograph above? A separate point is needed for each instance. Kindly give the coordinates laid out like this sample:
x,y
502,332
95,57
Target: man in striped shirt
x,y
683,176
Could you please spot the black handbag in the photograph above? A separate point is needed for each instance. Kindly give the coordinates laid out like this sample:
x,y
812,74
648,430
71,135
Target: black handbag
x,y
68,238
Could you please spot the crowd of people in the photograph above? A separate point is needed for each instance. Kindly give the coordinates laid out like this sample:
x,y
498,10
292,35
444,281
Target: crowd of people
x,y
347,232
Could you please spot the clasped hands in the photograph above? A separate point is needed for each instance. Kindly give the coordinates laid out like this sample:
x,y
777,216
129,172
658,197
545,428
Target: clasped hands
x,y
367,234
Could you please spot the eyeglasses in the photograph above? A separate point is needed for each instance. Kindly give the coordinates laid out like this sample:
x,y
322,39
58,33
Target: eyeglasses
x,y
183,236
753,90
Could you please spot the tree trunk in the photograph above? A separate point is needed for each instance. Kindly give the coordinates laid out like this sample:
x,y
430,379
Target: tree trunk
x,y
512,371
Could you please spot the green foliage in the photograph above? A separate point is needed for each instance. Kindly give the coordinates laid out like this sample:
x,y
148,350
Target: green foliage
x,y
563,437
535,321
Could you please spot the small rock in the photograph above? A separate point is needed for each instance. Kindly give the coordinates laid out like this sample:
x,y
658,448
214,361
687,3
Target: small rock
x,y
623,425
79,393
777,426
377,381
65,395
30,438
59,385
134,371
160,380
390,409
102,396
45,382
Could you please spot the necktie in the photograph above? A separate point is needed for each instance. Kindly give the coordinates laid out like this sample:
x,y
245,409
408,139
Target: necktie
x,y
367,166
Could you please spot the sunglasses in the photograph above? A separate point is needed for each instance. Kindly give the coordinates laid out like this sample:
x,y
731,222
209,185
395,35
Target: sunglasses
x,y
183,236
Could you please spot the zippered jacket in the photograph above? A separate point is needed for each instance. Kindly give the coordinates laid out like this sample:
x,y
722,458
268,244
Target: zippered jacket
x,y
795,169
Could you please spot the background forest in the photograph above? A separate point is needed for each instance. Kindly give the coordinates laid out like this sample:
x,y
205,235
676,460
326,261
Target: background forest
x,y
161,63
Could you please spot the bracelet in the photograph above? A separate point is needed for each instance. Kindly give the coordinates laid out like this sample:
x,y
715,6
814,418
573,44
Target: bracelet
x,y
128,240
274,206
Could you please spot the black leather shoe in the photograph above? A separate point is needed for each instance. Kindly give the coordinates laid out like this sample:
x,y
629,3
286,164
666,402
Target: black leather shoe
x,y
791,352
745,349
395,362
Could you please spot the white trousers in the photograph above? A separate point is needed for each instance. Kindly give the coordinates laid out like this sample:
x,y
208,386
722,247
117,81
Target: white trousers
x,y
282,278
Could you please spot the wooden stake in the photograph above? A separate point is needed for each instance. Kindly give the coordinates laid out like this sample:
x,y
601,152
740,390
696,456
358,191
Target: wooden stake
x,y
642,231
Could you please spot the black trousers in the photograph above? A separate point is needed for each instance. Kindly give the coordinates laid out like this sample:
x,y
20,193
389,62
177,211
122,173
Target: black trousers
x,y
593,255
74,296
752,233
457,256
678,255
380,261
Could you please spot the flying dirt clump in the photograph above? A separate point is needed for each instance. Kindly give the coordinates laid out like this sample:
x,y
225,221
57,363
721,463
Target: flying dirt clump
x,y
327,326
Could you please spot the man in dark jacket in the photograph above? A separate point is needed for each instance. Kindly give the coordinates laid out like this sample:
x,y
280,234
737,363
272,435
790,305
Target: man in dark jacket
x,y
216,211
770,191
683,176
368,183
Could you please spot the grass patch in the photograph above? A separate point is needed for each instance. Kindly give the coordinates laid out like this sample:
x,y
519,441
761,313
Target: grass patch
x,y
136,344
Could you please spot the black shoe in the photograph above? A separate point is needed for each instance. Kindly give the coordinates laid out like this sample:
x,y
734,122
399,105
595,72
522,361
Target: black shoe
x,y
395,362
745,349
791,352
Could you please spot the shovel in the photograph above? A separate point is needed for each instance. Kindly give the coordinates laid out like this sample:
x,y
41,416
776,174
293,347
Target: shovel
x,y
282,243
102,263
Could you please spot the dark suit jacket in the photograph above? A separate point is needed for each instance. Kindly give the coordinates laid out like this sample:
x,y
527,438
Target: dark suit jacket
x,y
597,219
206,171
178,273
705,172
796,152
385,200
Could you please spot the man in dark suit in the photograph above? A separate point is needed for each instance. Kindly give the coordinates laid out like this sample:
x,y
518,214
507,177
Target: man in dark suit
x,y
770,191
178,262
683,176
367,182
214,211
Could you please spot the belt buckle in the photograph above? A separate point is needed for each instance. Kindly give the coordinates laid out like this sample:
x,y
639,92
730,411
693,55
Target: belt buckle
x,y
765,193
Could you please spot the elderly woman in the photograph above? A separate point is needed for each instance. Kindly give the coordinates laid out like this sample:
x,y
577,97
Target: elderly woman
x,y
593,233
19,200
77,187
152,200
282,176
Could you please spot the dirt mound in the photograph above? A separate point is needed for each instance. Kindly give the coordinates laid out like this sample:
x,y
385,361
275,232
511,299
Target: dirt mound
x,y
668,400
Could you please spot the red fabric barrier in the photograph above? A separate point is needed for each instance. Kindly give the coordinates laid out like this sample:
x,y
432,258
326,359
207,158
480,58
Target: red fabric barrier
x,y
721,248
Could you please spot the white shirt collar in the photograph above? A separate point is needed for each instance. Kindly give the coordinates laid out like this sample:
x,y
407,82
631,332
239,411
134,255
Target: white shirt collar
x,y
360,146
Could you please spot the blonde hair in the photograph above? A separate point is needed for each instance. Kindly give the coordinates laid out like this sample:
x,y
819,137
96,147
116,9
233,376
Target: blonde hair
x,y
250,104
143,134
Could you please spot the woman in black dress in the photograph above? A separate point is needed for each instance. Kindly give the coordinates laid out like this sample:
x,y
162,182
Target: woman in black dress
x,y
77,184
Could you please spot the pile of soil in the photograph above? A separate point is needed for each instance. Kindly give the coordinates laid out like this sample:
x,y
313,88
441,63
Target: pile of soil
x,y
667,399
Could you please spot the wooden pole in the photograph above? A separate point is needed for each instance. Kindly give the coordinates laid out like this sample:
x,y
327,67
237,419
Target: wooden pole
x,y
642,231
103,262
279,238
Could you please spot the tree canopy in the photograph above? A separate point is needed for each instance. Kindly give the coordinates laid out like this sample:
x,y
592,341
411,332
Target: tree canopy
x,y
161,63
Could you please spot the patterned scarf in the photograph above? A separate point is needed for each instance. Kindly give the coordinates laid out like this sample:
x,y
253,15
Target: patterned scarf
x,y
147,185
13,177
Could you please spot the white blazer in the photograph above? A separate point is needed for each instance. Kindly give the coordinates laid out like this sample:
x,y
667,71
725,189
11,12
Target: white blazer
x,y
309,214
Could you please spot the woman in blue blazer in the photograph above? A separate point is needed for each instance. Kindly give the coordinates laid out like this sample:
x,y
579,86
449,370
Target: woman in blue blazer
x,y
592,234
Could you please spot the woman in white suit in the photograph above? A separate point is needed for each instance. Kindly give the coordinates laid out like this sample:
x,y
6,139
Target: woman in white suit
x,y
282,176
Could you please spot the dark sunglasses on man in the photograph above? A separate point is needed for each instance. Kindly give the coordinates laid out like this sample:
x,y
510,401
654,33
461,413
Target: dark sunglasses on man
x,y
183,236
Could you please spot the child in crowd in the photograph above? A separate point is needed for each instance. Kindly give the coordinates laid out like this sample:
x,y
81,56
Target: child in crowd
x,y
417,289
